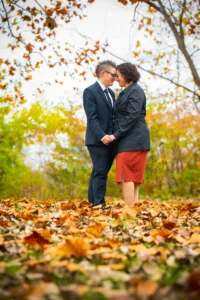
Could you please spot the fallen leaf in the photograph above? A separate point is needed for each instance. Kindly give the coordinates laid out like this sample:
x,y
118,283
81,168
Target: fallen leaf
x,y
147,288
36,239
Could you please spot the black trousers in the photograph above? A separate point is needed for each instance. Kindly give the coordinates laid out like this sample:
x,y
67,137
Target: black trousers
x,y
102,158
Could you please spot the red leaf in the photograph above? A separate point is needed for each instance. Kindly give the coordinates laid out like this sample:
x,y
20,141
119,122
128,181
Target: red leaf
x,y
36,239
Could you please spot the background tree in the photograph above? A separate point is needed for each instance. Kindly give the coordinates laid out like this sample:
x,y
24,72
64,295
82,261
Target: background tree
x,y
32,30
171,49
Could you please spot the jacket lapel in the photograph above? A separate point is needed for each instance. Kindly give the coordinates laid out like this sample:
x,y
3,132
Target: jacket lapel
x,y
120,99
123,96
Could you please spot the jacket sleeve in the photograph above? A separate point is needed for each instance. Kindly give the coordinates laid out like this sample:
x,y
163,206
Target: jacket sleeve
x,y
90,108
134,107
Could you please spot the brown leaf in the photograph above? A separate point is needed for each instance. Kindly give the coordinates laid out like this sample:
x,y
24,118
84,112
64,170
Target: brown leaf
x,y
4,222
124,2
169,224
194,280
50,23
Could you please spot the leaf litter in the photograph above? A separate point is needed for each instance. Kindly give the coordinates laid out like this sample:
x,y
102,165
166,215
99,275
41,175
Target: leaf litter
x,y
67,250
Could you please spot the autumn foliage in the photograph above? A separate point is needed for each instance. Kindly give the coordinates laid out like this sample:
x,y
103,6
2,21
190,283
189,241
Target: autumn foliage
x,y
69,250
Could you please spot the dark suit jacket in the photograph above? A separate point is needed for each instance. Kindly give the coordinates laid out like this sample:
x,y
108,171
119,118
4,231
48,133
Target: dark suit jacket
x,y
131,130
99,114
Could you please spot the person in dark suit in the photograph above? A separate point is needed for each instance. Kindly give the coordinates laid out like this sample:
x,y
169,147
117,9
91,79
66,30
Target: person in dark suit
x,y
131,133
98,102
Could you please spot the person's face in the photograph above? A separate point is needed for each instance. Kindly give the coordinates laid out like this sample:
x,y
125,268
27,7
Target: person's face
x,y
120,79
108,76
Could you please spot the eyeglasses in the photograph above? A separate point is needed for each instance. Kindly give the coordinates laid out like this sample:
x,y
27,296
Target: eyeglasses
x,y
113,75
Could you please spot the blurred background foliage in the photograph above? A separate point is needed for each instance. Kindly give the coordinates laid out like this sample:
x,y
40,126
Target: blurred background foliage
x,y
173,166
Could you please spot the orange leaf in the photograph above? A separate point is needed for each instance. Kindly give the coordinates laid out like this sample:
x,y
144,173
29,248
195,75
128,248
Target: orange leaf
x,y
163,233
74,246
29,47
62,219
147,288
29,77
149,21
67,206
2,87
45,233
96,229
124,2
82,74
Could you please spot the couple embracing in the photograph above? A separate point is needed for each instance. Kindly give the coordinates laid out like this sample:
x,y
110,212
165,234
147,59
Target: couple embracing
x,y
116,128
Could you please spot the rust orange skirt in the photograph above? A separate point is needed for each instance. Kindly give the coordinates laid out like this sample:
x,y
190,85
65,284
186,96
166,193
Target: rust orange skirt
x,y
130,166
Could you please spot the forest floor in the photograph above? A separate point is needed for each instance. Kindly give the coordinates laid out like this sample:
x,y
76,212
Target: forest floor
x,y
67,250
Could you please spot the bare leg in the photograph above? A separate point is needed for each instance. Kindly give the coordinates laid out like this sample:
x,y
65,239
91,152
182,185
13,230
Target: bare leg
x,y
128,193
136,191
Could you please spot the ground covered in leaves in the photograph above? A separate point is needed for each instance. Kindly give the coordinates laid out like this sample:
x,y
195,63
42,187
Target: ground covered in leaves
x,y
66,250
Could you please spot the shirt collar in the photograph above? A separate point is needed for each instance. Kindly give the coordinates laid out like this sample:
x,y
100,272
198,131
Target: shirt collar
x,y
101,85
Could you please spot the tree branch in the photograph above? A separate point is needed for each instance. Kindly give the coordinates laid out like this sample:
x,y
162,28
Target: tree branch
x,y
40,6
20,7
7,19
156,74
179,39
145,70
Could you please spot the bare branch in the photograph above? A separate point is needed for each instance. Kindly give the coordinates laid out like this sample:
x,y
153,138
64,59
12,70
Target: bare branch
x,y
152,4
194,52
20,7
179,38
145,70
40,6
7,19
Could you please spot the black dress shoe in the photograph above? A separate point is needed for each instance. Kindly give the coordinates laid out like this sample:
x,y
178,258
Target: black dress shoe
x,y
106,207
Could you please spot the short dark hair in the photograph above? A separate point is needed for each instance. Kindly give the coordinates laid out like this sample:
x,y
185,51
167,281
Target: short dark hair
x,y
129,72
102,66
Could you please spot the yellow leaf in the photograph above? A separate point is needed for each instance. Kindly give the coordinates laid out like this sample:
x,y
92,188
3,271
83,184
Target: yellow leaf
x,y
194,239
138,44
151,10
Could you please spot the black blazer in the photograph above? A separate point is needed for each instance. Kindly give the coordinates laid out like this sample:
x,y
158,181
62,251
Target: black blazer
x,y
130,129
100,116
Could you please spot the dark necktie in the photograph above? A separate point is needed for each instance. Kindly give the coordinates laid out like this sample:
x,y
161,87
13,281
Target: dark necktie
x,y
108,98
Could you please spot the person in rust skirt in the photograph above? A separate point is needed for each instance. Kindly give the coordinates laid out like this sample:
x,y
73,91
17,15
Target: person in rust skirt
x,y
131,133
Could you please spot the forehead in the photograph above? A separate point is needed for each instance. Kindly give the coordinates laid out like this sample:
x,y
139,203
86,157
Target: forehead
x,y
111,69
